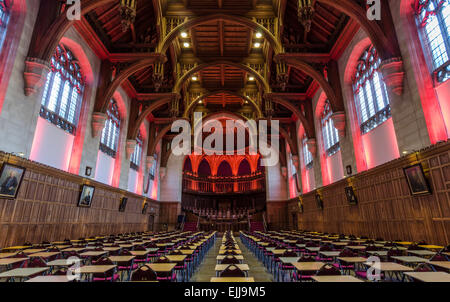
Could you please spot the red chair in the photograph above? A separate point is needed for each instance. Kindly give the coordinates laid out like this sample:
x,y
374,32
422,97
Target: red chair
x,y
328,270
107,276
232,271
144,273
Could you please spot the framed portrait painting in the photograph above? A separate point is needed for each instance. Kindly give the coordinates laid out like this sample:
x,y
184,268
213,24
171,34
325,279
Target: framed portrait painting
x,y
123,204
144,208
418,184
11,177
86,196
351,197
319,201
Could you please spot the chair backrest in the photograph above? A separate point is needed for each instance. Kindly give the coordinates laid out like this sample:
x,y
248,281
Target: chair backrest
x,y
414,247
328,270
346,253
103,261
232,271
144,273
37,262
289,253
229,260
139,248
305,258
162,259
125,253
438,257
423,267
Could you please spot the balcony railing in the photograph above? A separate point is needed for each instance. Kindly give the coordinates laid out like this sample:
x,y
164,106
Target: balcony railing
x,y
222,185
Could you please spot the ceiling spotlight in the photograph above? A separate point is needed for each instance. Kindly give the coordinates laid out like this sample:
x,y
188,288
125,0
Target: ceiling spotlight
x,y
257,45
251,78
184,34
200,102
194,78
186,44
259,35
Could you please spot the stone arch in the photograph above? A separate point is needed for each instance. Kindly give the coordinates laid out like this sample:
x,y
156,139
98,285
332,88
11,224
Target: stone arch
x,y
187,75
308,125
385,47
191,106
251,24
133,129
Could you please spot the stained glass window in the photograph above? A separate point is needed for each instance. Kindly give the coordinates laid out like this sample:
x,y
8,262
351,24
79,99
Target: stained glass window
x,y
137,154
63,91
434,24
307,156
110,134
372,100
4,19
329,132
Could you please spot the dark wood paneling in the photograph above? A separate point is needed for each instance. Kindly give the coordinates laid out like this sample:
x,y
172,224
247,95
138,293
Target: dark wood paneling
x,y
46,208
168,215
386,209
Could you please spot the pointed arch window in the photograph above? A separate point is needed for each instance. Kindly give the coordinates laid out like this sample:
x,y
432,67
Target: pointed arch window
x,y
4,20
372,100
307,156
110,134
63,91
137,154
433,19
329,132
153,169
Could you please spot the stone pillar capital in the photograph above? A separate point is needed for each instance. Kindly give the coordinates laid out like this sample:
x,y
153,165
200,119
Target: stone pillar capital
x,y
131,144
35,74
311,143
338,119
393,74
98,123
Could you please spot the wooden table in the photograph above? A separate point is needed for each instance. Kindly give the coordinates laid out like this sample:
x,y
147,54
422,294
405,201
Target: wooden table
x,y
410,259
34,251
232,279
63,262
442,264
162,267
221,267
391,269
344,278
288,260
74,249
222,252
93,254
429,276
50,279
93,269
421,252
432,247
10,261
353,259
176,258
139,253
16,248
307,266
330,253
7,255
23,273
44,254
111,249
116,259
187,252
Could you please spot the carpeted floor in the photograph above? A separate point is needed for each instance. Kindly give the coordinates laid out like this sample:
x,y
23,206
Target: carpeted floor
x,y
206,269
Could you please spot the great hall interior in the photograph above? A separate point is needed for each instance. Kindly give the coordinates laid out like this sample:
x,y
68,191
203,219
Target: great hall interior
x,y
358,92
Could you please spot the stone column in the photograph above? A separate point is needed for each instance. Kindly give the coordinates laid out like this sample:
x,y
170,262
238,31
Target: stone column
x,y
407,116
